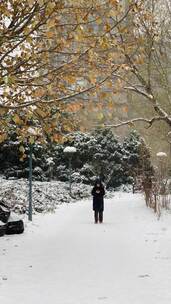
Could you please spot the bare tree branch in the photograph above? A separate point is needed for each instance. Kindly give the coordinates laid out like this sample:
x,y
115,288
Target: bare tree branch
x,y
134,120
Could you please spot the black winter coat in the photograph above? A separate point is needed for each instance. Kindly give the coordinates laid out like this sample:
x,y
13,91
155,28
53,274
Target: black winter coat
x,y
98,201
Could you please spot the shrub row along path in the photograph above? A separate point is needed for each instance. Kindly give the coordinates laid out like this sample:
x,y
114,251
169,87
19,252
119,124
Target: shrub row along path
x,y
65,258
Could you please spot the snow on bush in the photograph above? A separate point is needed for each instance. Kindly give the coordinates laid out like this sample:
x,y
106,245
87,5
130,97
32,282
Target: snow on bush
x,y
70,149
161,154
46,195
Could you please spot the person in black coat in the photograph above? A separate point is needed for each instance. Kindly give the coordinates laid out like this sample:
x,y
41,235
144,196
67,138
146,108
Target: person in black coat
x,y
98,193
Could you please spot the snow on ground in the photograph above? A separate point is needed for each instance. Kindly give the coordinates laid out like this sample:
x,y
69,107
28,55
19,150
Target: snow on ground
x,y
65,258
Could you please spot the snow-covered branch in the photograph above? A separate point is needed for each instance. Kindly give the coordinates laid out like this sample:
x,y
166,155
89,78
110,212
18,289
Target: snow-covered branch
x,y
134,120
136,90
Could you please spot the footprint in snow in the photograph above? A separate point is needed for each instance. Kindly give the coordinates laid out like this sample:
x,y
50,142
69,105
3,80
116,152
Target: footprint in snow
x,y
102,298
4,278
142,276
163,258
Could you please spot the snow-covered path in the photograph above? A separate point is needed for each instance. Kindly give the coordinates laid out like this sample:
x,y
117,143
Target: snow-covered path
x,y
64,258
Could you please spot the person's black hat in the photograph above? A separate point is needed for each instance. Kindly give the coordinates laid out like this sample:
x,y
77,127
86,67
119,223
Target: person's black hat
x,y
98,181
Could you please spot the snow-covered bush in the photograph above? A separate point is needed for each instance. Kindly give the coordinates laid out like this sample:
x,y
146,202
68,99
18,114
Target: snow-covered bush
x,y
99,153
76,177
46,196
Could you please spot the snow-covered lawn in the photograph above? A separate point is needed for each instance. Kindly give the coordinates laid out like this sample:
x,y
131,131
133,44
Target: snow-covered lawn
x,y
65,258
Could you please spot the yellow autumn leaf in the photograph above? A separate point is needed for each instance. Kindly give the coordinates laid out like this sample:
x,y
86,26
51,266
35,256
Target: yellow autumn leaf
x,y
3,111
101,125
41,113
39,92
54,123
50,34
125,109
103,95
51,23
110,105
104,43
123,29
110,115
100,116
107,27
29,40
82,128
11,79
114,2
21,149
30,2
31,140
109,84
113,13
92,78
139,60
91,54
6,79
99,21
71,79
41,2
50,7
131,124
23,157
79,34
3,137
56,137
17,119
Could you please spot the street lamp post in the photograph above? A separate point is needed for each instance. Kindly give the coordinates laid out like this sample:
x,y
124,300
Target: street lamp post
x,y
33,134
30,211
69,151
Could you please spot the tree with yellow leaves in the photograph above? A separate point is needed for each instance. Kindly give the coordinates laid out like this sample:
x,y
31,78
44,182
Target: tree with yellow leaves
x,y
57,55
54,53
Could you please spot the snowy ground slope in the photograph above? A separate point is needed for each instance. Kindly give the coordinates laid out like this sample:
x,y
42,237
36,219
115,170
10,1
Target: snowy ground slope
x,y
64,258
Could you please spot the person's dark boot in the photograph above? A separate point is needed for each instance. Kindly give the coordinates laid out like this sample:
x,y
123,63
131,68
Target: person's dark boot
x,y
95,217
101,217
